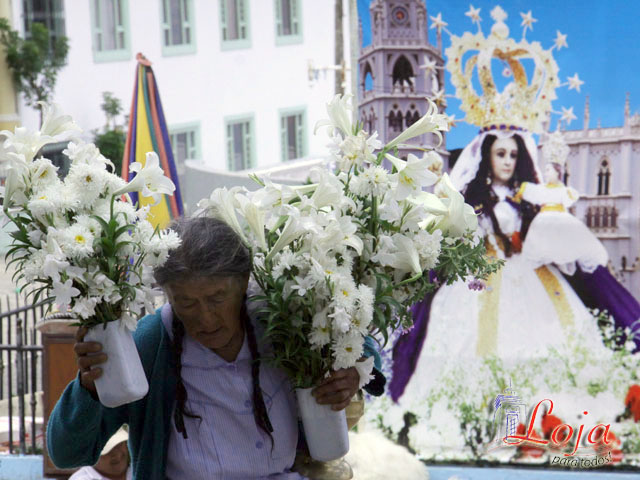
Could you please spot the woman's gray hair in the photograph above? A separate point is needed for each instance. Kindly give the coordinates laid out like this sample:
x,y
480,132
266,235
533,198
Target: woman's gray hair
x,y
209,248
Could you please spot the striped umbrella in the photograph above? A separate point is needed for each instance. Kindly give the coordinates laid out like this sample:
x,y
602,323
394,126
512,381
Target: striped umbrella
x,y
148,132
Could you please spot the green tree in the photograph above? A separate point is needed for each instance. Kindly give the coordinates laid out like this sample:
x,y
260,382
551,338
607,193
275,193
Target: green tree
x,y
34,62
111,107
112,140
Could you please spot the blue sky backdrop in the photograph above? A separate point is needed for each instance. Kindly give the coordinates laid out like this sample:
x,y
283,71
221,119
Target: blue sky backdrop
x,y
604,49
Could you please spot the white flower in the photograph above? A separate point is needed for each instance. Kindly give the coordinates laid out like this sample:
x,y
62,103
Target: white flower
x,y
222,204
64,292
460,216
428,246
53,265
341,320
78,241
150,180
345,292
55,124
42,206
320,336
340,112
347,349
43,173
406,258
255,217
85,307
412,175
25,142
355,150
303,285
290,232
87,181
431,122
364,369
86,153
374,180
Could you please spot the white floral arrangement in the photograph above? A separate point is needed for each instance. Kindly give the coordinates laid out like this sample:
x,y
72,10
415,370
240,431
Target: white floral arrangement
x,y
349,254
80,241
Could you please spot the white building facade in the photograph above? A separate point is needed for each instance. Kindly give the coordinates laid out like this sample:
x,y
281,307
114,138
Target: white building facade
x,y
604,166
233,75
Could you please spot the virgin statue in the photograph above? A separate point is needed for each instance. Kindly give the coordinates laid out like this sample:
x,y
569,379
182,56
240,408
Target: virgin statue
x,y
554,328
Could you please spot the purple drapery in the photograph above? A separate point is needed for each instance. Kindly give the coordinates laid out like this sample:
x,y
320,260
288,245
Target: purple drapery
x,y
606,293
407,349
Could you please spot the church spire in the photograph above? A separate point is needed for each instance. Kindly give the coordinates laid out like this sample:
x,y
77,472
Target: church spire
x,y
585,124
626,110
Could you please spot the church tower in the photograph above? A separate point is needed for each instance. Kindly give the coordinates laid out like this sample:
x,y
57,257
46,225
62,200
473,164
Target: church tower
x,y
397,71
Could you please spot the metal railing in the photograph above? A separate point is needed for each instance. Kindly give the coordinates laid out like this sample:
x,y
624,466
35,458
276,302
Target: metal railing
x,y
20,369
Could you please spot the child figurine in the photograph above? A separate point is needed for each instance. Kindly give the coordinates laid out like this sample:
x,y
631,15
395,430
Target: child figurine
x,y
555,235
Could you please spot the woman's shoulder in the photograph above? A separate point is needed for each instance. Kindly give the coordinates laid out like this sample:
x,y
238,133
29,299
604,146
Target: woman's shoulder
x,y
150,335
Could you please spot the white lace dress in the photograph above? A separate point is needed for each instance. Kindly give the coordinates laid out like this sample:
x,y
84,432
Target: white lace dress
x,y
555,236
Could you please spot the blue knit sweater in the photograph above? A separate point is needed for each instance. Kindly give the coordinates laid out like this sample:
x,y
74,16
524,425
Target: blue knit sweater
x,y
80,426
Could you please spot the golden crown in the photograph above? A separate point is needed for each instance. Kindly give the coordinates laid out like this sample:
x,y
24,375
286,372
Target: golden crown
x,y
522,103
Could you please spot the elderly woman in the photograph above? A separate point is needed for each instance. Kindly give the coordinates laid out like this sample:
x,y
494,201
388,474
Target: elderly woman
x,y
213,409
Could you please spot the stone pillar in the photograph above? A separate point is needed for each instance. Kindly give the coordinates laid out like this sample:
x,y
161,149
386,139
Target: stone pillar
x,y
8,106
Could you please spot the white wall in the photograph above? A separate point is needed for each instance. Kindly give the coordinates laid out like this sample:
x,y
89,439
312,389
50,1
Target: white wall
x,y
210,84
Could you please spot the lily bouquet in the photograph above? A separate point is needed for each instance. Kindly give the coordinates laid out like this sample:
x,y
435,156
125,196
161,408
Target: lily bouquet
x,y
348,255
80,241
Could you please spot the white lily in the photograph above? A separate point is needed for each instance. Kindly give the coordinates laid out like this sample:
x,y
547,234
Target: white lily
x,y
431,122
339,111
63,292
407,257
412,175
57,125
149,180
222,204
25,142
255,217
460,216
290,232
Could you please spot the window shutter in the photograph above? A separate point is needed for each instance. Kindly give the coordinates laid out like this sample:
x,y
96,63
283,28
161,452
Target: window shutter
x,y
279,17
294,16
242,19
98,26
166,32
186,22
223,19
283,139
230,147
247,158
121,41
299,135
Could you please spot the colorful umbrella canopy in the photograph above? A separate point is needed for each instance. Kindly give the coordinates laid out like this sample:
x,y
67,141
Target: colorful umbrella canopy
x,y
148,132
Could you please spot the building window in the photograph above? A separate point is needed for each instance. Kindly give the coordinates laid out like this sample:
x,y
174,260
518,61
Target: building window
x,y
234,24
604,176
110,26
240,138
177,27
49,13
185,144
293,134
288,24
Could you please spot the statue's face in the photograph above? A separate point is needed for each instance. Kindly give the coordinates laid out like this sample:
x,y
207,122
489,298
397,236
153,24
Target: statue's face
x,y
551,175
504,156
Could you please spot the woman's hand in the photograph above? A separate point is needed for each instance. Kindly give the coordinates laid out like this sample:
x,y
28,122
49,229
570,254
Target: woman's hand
x,y
338,388
88,354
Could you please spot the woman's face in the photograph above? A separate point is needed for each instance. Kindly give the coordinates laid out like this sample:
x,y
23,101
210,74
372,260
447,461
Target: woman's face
x,y
114,463
551,175
209,309
504,156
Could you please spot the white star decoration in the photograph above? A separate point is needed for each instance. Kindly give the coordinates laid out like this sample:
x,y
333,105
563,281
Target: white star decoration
x,y
451,120
437,22
568,115
429,65
574,82
561,40
527,20
438,97
498,14
473,14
